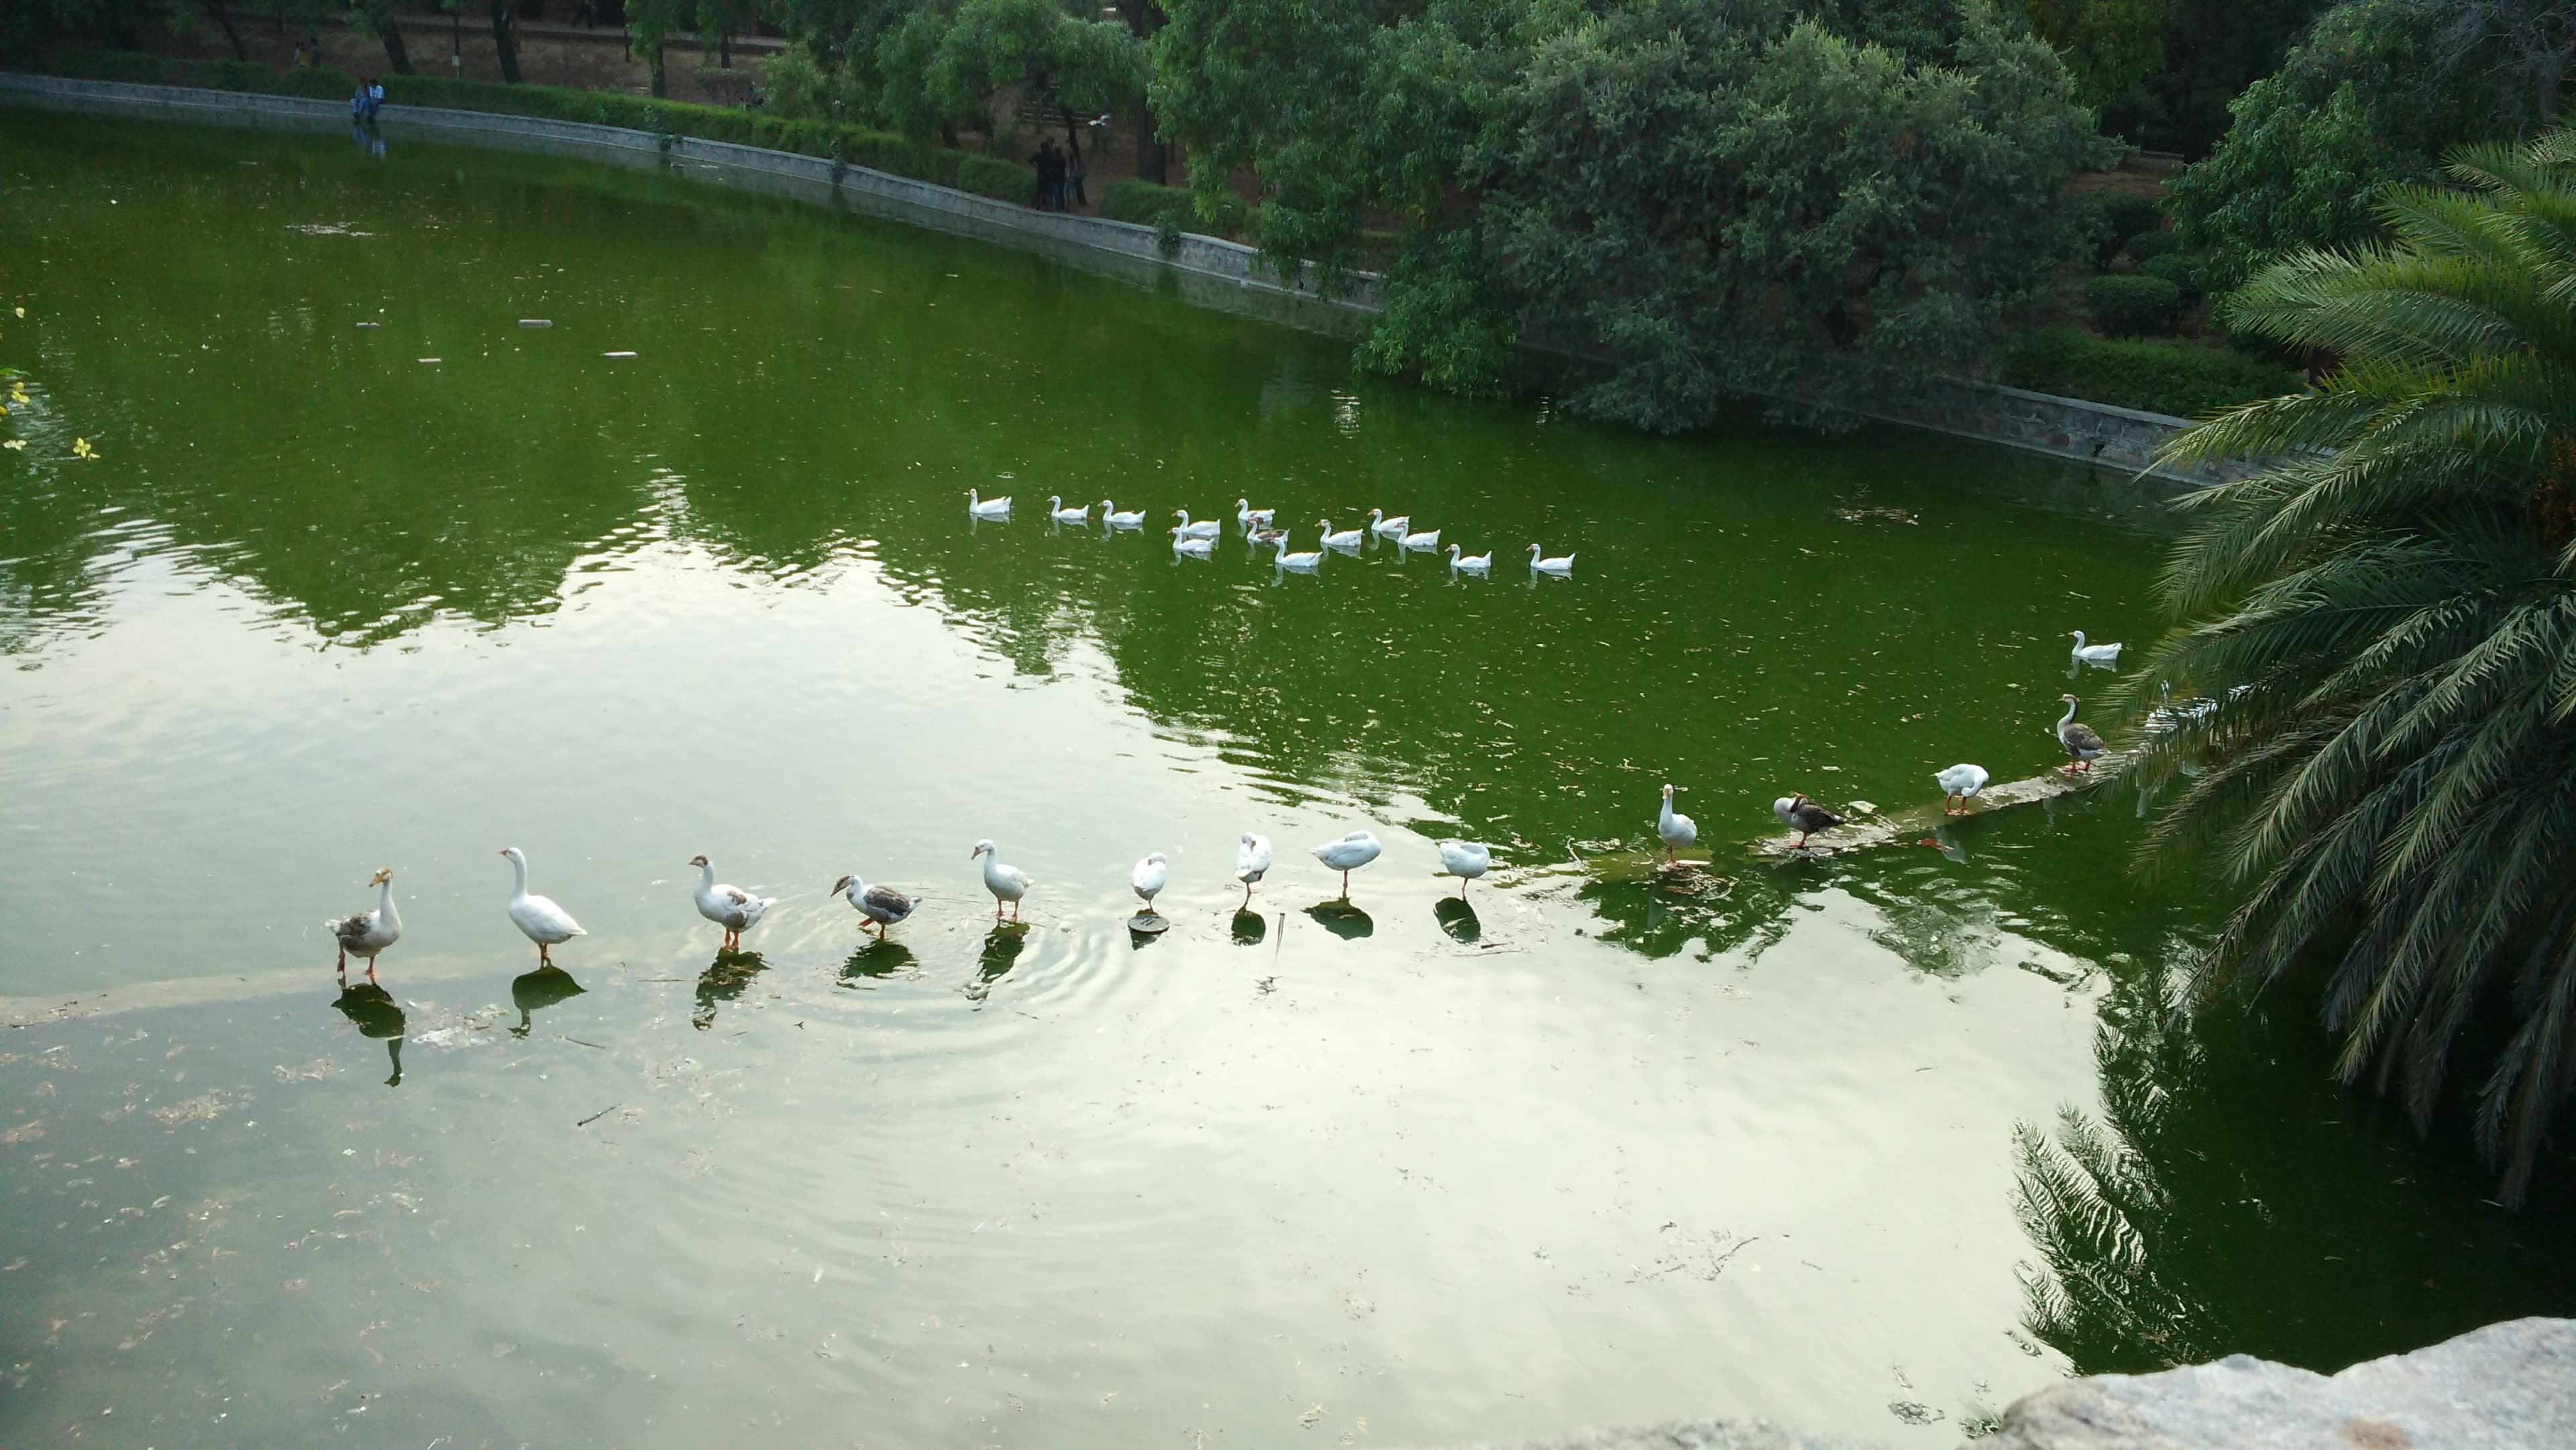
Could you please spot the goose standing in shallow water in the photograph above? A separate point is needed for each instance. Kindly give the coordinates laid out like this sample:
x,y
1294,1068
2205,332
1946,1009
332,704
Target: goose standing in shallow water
x,y
1203,529
1678,830
1466,860
987,508
1195,548
1347,539
1392,528
2083,747
1804,817
1109,515
1470,563
1348,854
1148,878
1078,514
1958,783
880,904
2095,654
1007,883
537,917
369,932
730,907
1251,862
1561,566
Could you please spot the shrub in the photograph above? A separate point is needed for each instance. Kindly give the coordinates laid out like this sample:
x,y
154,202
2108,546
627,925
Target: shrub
x,y
1142,202
2145,247
2154,377
2132,306
2129,215
2188,271
992,176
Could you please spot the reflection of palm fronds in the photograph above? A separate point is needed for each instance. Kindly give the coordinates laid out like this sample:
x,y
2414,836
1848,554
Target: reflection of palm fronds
x,y
2093,1209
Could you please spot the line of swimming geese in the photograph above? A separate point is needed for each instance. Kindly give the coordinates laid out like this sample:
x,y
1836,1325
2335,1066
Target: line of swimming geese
x,y
1197,538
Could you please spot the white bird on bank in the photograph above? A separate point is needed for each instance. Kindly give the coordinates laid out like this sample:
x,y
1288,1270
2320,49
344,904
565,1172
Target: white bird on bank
x,y
1423,543
1392,528
369,932
987,508
1079,514
880,904
1466,860
1958,783
1348,854
1252,518
1561,566
730,907
1347,539
537,917
1195,548
1148,878
1469,563
1676,829
2095,654
1203,529
1109,515
1007,883
1251,862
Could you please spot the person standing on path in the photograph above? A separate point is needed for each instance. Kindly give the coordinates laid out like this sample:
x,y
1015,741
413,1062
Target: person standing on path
x,y
1050,165
1073,172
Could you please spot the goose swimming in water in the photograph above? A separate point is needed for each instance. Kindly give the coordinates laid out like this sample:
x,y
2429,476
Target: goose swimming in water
x,y
1109,515
2083,747
1466,860
1250,517
1203,529
1561,566
1348,854
1958,783
987,508
537,917
1392,528
1303,562
369,932
1804,817
1007,883
730,907
2095,654
1195,548
1274,538
1148,878
1423,543
1677,830
1078,514
1347,539
1470,563
880,904
1251,862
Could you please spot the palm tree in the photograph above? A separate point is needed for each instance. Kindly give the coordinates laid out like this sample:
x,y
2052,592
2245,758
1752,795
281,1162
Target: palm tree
x,y
2386,614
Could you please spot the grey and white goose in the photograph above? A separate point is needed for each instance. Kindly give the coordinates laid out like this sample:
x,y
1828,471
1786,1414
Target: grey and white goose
x,y
369,932
2083,747
880,904
1804,817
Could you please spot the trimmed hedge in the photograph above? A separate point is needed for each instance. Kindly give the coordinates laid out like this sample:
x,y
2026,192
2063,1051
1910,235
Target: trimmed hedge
x,y
856,145
2147,246
2186,270
2132,306
2129,215
1173,207
2154,377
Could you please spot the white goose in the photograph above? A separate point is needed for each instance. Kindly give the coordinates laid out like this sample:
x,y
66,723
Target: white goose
x,y
537,917
1007,883
1560,566
1347,539
1348,854
1109,515
1469,563
1958,783
1251,862
1195,548
1392,528
1466,860
369,932
2095,654
730,907
1423,543
987,508
1203,529
880,904
1250,517
1149,877
1079,514
1303,562
1676,829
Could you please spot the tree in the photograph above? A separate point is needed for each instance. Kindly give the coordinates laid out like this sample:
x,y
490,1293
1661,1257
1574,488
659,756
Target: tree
x,y
505,40
943,71
654,22
2385,618
2111,47
378,18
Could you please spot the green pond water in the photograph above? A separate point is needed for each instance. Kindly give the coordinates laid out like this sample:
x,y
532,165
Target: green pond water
x,y
1400,1173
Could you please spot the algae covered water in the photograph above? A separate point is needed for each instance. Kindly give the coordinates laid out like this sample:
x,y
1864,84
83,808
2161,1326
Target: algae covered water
x,y
366,574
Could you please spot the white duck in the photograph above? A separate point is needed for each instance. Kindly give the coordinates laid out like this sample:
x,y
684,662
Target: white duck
x,y
1561,566
1195,548
1110,515
1203,529
1676,829
1252,518
1251,862
2095,654
730,907
1958,783
881,904
1079,514
1303,562
1469,563
1149,877
1466,860
1346,539
1392,528
369,932
987,508
537,917
1423,543
1348,854
1007,883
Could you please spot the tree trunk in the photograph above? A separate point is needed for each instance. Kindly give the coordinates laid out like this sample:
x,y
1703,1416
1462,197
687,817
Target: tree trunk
x,y
661,78
505,41
1153,157
724,50
397,54
224,17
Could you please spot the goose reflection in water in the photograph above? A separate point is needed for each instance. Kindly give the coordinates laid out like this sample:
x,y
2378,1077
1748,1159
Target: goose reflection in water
x,y
879,961
1458,919
535,991
1343,919
1002,948
1250,928
723,981
374,1011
